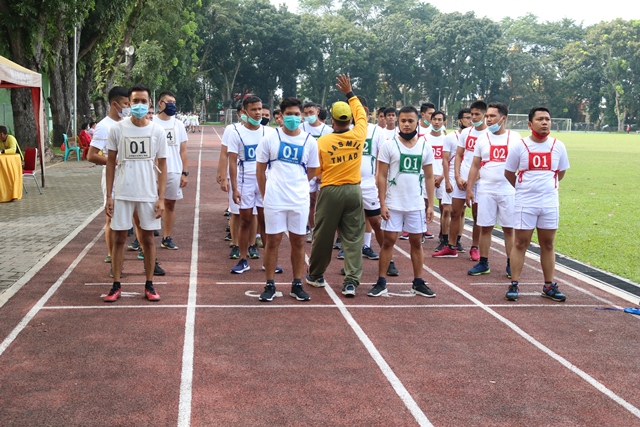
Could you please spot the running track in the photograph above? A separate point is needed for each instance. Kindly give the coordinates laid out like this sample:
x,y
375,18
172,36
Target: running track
x,y
210,354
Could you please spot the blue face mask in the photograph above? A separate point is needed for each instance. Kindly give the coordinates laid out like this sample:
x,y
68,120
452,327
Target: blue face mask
x,y
311,119
494,127
253,121
169,109
291,122
139,110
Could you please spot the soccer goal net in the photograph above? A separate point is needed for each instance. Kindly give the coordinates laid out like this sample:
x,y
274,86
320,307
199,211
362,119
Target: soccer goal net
x,y
520,122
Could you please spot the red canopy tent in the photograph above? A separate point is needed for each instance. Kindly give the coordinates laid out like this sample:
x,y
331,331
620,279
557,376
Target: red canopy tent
x,y
13,76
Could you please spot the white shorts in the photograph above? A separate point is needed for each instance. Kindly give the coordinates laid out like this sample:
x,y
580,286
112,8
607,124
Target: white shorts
x,y
370,199
531,218
123,214
250,196
278,221
233,208
314,185
103,183
173,190
462,194
492,207
413,222
439,191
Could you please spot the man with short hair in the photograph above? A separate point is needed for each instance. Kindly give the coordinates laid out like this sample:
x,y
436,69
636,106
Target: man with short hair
x,y
8,143
495,196
135,145
119,108
266,116
390,118
277,116
382,122
426,110
177,164
292,158
541,162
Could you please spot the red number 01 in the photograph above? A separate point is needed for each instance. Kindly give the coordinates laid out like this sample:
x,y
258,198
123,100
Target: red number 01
x,y
539,161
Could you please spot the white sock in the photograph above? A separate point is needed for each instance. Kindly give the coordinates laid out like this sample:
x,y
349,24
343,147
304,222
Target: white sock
x,y
367,239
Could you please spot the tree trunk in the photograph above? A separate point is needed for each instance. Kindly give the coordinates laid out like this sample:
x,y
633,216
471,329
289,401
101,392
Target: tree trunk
x,y
61,97
85,87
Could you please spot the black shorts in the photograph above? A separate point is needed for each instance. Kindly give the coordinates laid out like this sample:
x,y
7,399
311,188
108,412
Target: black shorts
x,y
369,214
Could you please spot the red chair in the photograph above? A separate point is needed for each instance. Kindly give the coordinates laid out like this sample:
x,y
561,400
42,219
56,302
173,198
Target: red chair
x,y
29,169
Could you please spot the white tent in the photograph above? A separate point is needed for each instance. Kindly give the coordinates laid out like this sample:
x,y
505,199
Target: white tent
x,y
14,76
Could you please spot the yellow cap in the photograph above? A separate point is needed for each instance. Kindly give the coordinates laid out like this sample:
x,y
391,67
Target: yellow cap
x,y
341,111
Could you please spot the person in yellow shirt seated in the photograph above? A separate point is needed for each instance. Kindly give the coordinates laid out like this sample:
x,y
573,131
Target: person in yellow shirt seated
x,y
8,143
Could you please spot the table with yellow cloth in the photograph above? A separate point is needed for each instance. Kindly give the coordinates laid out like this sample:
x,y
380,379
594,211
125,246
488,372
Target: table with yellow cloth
x,y
10,177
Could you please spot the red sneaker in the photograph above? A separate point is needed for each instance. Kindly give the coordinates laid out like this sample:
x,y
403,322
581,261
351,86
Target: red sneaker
x,y
404,236
151,294
113,295
474,253
446,252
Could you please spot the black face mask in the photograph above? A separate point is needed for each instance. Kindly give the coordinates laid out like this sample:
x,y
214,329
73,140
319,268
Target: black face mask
x,y
264,121
408,136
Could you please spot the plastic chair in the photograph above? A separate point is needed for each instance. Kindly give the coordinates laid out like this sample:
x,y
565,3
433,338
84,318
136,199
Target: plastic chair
x,y
29,169
69,147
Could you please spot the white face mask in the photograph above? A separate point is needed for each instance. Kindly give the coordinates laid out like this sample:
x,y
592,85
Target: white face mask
x,y
124,113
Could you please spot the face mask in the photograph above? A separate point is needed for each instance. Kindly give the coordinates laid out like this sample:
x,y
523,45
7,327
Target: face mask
x,y
311,119
291,122
169,109
140,110
426,122
408,136
436,130
494,127
243,117
253,121
477,124
537,135
264,121
124,113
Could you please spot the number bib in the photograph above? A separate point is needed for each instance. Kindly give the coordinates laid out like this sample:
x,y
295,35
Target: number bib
x,y
437,152
290,153
470,143
137,148
498,153
539,161
250,153
171,137
366,151
410,163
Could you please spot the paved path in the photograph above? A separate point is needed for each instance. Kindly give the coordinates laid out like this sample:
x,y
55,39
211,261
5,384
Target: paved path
x,y
31,227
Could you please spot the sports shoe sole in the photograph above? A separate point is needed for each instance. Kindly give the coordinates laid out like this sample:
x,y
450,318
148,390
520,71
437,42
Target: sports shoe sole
x,y
315,284
379,294
266,299
241,271
511,298
479,273
299,298
444,256
553,298
370,257
414,292
349,293
167,247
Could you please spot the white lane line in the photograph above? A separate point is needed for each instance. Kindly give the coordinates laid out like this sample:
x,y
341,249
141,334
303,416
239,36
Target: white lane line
x,y
289,283
393,379
186,379
6,295
43,300
122,284
564,362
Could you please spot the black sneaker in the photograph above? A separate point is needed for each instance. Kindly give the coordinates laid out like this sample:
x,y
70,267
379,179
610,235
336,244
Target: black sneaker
x,y
235,252
342,272
367,252
459,247
421,288
156,233
228,237
253,252
167,243
268,293
379,289
134,246
158,271
440,246
392,270
130,232
298,293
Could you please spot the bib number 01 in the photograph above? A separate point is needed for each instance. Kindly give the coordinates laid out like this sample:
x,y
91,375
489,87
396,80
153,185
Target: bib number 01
x,y
410,163
290,153
137,148
539,161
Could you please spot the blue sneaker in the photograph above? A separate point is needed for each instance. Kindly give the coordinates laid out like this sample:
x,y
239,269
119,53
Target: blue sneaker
x,y
235,252
553,293
279,269
134,246
349,289
316,283
241,267
167,243
478,269
340,254
512,293
509,271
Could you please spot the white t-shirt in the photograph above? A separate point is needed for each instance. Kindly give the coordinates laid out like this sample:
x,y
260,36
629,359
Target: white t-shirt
x,y
101,134
315,131
492,150
404,188
244,142
137,149
287,184
390,133
176,135
467,140
375,139
538,165
451,145
437,147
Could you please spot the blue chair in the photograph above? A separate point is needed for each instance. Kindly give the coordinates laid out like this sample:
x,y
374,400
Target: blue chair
x,y
69,147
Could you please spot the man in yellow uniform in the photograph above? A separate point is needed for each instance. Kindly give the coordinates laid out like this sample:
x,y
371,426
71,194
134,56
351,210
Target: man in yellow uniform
x,y
339,202
8,143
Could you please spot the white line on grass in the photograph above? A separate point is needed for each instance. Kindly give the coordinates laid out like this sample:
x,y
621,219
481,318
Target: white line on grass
x,y
43,300
186,380
564,362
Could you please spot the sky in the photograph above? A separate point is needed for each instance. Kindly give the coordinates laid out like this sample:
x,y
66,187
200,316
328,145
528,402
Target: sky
x,y
588,12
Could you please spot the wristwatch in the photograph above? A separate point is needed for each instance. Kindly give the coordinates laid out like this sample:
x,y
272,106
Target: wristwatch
x,y
185,173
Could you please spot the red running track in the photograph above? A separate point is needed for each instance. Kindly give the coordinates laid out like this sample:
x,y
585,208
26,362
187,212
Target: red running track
x,y
211,354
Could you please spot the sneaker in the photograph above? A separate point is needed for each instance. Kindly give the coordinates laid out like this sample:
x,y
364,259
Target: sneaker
x,y
167,243
279,269
298,293
268,293
151,294
134,246
340,254
228,237
140,254
156,233
253,252
367,252
316,283
474,254
392,271
235,252
349,290
259,242
446,252
478,269
459,247
108,259
227,229
337,244
309,237
440,246
241,267
227,213
512,293
404,236
428,235
421,288
509,271
422,239
342,272
113,295
130,232
379,289
553,293
158,271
